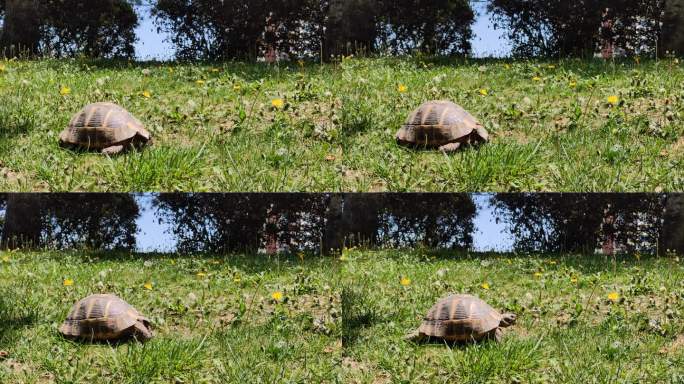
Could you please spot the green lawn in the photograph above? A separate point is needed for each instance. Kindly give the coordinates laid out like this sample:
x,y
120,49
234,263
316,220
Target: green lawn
x,y
215,319
568,329
215,127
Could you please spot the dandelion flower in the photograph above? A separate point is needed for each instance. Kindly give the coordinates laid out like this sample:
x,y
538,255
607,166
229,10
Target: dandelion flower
x,y
201,274
64,90
507,66
236,87
215,70
485,286
277,296
536,78
278,103
613,100
200,82
538,275
613,296
551,66
573,84
402,88
147,94
148,286
484,92
573,279
5,259
68,282
236,279
405,281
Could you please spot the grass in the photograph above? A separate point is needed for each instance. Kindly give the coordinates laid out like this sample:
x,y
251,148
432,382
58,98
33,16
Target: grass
x,y
215,127
568,330
215,328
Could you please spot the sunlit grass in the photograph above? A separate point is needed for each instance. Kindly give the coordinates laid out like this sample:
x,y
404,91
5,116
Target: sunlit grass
x,y
580,318
573,126
214,318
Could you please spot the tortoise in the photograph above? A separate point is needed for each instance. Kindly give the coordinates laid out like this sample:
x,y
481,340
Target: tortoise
x,y
104,127
441,124
462,318
105,318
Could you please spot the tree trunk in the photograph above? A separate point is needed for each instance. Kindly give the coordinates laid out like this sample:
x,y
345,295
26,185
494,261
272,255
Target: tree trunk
x,y
22,222
21,30
350,28
673,27
672,233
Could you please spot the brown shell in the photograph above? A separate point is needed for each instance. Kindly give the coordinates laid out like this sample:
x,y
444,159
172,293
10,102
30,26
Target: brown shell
x,y
437,123
460,318
103,125
104,317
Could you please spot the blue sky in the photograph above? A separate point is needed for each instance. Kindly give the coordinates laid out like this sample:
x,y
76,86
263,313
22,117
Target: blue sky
x,y
486,42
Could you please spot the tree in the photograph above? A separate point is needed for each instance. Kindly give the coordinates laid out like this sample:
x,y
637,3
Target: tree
x,y
23,223
104,28
430,26
351,26
672,234
571,28
673,27
21,27
577,222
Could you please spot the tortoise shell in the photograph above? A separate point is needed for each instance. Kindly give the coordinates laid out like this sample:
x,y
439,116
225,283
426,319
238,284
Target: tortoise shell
x,y
441,124
463,318
105,318
104,127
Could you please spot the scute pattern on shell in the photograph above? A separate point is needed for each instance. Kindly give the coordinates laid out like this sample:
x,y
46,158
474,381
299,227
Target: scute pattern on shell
x,y
437,123
103,125
460,318
103,317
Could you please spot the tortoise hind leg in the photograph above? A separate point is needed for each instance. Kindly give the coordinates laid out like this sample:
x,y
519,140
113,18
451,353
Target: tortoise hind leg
x,y
114,150
451,147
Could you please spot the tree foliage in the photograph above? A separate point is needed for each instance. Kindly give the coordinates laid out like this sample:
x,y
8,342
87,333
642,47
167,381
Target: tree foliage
x,y
576,222
104,28
237,29
571,28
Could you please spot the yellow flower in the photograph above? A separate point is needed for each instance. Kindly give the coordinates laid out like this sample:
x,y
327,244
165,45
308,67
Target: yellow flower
x,y
236,279
405,281
613,296
484,92
68,282
485,286
402,88
236,87
551,66
573,84
573,279
277,296
2,68
536,78
173,262
5,259
201,274
147,94
170,70
507,66
200,82
278,103
148,286
538,275
64,90
613,100
215,70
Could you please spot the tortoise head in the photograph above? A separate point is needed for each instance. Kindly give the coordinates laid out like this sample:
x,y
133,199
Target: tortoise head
x,y
142,330
507,319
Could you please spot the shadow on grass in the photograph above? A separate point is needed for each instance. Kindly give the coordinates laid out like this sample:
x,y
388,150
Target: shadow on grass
x,y
16,313
358,312
249,262
583,262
